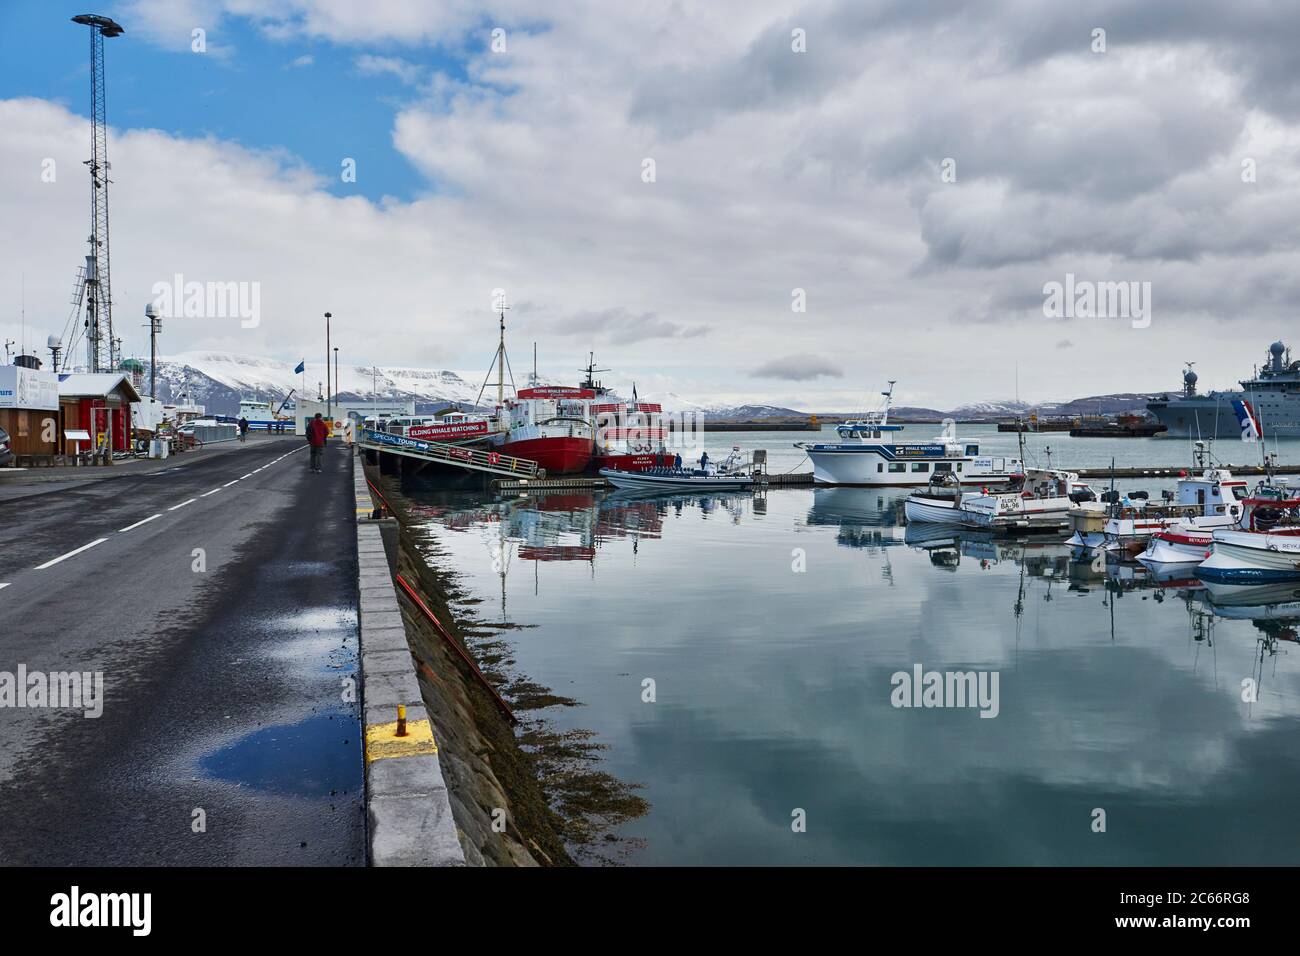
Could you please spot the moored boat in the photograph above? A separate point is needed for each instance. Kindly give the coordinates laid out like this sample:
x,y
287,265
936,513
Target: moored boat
x,y
670,478
1040,499
1042,503
867,455
1252,557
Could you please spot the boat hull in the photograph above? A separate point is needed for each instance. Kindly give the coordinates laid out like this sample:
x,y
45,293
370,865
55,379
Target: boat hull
x,y
864,466
1167,547
640,461
1244,557
933,511
646,480
558,455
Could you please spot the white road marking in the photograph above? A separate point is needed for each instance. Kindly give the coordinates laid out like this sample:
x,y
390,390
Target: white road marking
x,y
229,483
212,492
242,477
132,527
183,504
4,584
64,557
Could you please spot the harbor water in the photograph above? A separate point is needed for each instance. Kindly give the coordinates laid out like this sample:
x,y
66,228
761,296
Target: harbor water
x,y
740,655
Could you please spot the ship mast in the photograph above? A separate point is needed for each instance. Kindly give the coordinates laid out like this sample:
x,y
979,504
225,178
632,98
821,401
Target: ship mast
x,y
501,357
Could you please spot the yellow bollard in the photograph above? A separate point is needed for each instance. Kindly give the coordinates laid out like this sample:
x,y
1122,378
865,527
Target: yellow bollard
x,y
401,720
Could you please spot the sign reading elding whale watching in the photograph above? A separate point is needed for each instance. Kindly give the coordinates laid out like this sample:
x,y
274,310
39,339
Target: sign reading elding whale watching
x,y
450,431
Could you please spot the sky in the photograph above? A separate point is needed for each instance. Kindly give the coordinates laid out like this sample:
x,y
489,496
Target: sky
x,y
843,192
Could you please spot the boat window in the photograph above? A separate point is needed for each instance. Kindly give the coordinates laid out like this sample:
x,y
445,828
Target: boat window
x,y
943,466
880,466
959,466
972,450
920,466
1239,493
897,466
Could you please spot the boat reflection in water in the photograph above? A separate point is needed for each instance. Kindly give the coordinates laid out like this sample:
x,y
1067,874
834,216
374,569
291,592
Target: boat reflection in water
x,y
772,621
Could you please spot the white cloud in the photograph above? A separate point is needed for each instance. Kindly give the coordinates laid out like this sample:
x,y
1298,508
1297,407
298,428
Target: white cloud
x,y
371,65
774,171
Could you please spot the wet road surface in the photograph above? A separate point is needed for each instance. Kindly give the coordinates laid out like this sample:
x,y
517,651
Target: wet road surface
x,y
218,601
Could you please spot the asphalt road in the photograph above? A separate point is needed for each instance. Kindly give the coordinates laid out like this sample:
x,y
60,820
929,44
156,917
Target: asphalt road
x,y
218,600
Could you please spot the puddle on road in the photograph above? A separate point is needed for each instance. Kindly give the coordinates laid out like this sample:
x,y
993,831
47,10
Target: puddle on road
x,y
315,757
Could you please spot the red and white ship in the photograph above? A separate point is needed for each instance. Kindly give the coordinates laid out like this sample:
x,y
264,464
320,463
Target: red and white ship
x,y
570,430
548,424
543,423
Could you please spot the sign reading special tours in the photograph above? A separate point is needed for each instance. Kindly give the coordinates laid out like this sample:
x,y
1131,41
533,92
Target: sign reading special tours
x,y
450,431
28,388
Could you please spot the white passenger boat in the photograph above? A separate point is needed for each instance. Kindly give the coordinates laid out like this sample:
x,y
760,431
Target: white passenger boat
x,y
866,454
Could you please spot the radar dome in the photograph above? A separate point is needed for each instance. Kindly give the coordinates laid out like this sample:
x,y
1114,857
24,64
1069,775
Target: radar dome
x,y
1190,377
1277,348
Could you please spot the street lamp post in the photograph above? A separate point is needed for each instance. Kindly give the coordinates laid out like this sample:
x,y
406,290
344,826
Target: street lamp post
x,y
328,408
155,326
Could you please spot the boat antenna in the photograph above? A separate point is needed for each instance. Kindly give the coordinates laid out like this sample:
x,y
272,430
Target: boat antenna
x,y
590,371
501,355
889,401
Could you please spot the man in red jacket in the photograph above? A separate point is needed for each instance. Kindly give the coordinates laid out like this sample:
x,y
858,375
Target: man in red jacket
x,y
317,431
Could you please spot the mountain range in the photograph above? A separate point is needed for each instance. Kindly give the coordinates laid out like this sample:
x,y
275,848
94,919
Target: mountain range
x,y
219,380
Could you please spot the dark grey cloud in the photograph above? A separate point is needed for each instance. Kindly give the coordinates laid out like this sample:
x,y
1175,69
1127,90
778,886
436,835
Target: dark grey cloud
x,y
799,368
619,325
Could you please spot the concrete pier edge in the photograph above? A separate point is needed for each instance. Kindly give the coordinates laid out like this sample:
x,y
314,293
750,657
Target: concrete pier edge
x,y
408,809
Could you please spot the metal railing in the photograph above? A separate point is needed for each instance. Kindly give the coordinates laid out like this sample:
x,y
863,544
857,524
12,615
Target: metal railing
x,y
474,459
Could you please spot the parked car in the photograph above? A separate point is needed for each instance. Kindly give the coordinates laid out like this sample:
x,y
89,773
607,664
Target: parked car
x,y
6,452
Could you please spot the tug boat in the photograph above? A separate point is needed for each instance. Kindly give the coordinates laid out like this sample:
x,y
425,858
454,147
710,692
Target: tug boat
x,y
866,455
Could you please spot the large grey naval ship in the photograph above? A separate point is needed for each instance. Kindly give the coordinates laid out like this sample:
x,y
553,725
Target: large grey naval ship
x,y
1273,393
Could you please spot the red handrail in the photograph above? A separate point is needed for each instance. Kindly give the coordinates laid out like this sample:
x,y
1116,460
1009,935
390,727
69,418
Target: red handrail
x,y
455,645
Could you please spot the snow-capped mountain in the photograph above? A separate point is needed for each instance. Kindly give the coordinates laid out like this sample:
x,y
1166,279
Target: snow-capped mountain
x,y
219,380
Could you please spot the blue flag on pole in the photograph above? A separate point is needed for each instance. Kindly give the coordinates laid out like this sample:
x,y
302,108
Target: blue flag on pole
x,y
301,367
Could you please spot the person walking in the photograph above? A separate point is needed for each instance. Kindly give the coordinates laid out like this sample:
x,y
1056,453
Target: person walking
x,y
243,429
316,433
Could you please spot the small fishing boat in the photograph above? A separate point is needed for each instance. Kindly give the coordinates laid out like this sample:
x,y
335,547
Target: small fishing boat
x,y
693,478
1042,503
1252,557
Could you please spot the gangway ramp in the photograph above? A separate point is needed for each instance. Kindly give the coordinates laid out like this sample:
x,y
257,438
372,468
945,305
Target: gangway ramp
x,y
471,459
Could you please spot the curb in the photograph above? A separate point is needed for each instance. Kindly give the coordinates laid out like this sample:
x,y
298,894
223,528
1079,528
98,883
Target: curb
x,y
407,806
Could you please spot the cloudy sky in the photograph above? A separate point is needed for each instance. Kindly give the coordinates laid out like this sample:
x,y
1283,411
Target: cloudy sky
x,y
919,170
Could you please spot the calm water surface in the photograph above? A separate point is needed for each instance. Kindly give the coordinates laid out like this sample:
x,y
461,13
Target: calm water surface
x,y
773,685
